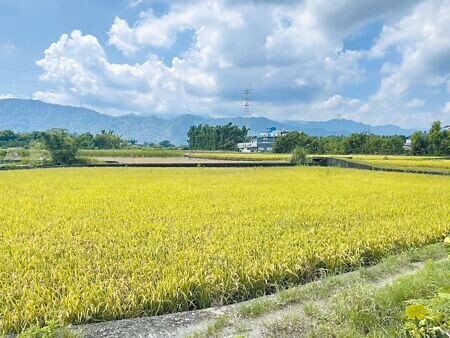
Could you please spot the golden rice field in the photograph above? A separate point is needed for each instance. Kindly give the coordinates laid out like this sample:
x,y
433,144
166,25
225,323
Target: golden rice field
x,y
89,244
407,162
238,156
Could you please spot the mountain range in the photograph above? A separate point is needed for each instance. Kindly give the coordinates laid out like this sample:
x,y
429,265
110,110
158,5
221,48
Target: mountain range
x,y
30,115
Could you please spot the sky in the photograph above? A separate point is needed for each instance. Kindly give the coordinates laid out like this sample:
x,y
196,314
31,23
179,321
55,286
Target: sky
x,y
378,62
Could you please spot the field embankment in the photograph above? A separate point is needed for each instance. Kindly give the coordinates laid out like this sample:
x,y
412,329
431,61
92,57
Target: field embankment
x,y
438,164
238,156
131,152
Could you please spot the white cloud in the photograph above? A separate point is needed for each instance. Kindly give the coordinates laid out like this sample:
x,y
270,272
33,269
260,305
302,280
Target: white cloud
x,y
446,108
423,41
7,96
134,3
154,31
121,36
290,53
77,65
415,103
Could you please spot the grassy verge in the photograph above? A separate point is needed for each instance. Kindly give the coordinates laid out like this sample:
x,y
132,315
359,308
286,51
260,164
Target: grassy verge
x,y
363,302
361,310
326,287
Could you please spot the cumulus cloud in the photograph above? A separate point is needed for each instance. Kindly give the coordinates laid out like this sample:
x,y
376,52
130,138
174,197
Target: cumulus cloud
x,y
290,52
422,40
121,36
77,65
7,96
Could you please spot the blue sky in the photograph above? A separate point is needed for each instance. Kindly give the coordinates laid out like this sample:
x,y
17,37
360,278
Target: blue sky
x,y
380,62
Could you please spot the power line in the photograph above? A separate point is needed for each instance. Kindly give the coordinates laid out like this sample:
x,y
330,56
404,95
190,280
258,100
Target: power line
x,y
19,68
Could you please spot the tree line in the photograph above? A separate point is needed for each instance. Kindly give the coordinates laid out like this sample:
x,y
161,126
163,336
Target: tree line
x,y
63,146
225,137
436,142
357,143
102,140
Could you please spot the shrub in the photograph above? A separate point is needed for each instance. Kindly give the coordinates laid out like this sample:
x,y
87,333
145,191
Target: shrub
x,y
299,156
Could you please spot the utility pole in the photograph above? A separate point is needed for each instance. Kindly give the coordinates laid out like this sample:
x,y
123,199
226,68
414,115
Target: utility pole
x,y
338,124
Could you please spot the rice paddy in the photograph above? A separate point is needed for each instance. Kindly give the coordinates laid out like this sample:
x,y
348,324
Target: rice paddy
x,y
87,244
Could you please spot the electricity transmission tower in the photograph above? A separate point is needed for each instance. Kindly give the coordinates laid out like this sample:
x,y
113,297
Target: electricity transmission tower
x,y
246,96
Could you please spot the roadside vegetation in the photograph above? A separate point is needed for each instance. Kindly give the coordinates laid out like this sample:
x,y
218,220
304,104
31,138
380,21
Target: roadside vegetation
x,y
404,295
183,239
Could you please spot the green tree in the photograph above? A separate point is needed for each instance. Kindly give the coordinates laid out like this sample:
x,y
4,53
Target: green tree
x,y
224,137
435,138
419,144
61,146
166,144
85,141
107,140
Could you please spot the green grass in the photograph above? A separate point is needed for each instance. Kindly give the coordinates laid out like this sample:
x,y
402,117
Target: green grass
x,y
364,310
361,309
332,305
132,152
326,287
213,329
256,308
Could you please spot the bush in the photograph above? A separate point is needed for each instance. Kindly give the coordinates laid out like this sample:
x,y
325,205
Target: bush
x,y
299,156
61,146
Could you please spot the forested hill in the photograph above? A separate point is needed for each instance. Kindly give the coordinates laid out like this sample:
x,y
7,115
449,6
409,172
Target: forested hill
x,y
30,115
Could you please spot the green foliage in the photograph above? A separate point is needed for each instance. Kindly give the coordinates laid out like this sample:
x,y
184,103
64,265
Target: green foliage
x,y
435,142
299,156
51,330
86,141
61,146
104,140
166,144
226,137
353,144
430,318
48,331
447,244
424,321
107,140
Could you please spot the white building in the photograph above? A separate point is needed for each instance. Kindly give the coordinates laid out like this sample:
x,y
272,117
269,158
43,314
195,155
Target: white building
x,y
248,147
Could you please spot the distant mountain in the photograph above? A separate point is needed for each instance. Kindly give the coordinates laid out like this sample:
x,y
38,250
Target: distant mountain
x,y
29,115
